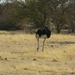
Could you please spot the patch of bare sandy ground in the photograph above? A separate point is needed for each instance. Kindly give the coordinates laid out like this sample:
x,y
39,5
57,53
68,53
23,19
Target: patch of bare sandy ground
x,y
18,55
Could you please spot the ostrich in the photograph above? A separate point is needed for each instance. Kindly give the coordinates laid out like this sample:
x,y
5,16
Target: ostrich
x,y
42,33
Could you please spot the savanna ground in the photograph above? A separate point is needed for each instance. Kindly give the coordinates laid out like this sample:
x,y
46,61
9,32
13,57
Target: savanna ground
x,y
18,55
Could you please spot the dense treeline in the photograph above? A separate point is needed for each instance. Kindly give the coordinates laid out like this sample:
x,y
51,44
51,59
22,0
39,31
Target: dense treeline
x,y
57,14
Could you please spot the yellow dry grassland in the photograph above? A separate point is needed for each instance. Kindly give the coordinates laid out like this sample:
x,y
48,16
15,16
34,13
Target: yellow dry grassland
x,y
18,55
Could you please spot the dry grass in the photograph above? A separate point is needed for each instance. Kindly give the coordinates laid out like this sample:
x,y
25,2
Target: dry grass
x,y
18,55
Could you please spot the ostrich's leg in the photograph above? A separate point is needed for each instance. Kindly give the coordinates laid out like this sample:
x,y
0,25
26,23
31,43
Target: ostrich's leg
x,y
43,44
38,44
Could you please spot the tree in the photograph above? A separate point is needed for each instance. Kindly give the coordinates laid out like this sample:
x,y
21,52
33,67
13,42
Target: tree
x,y
39,12
71,16
8,20
59,13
